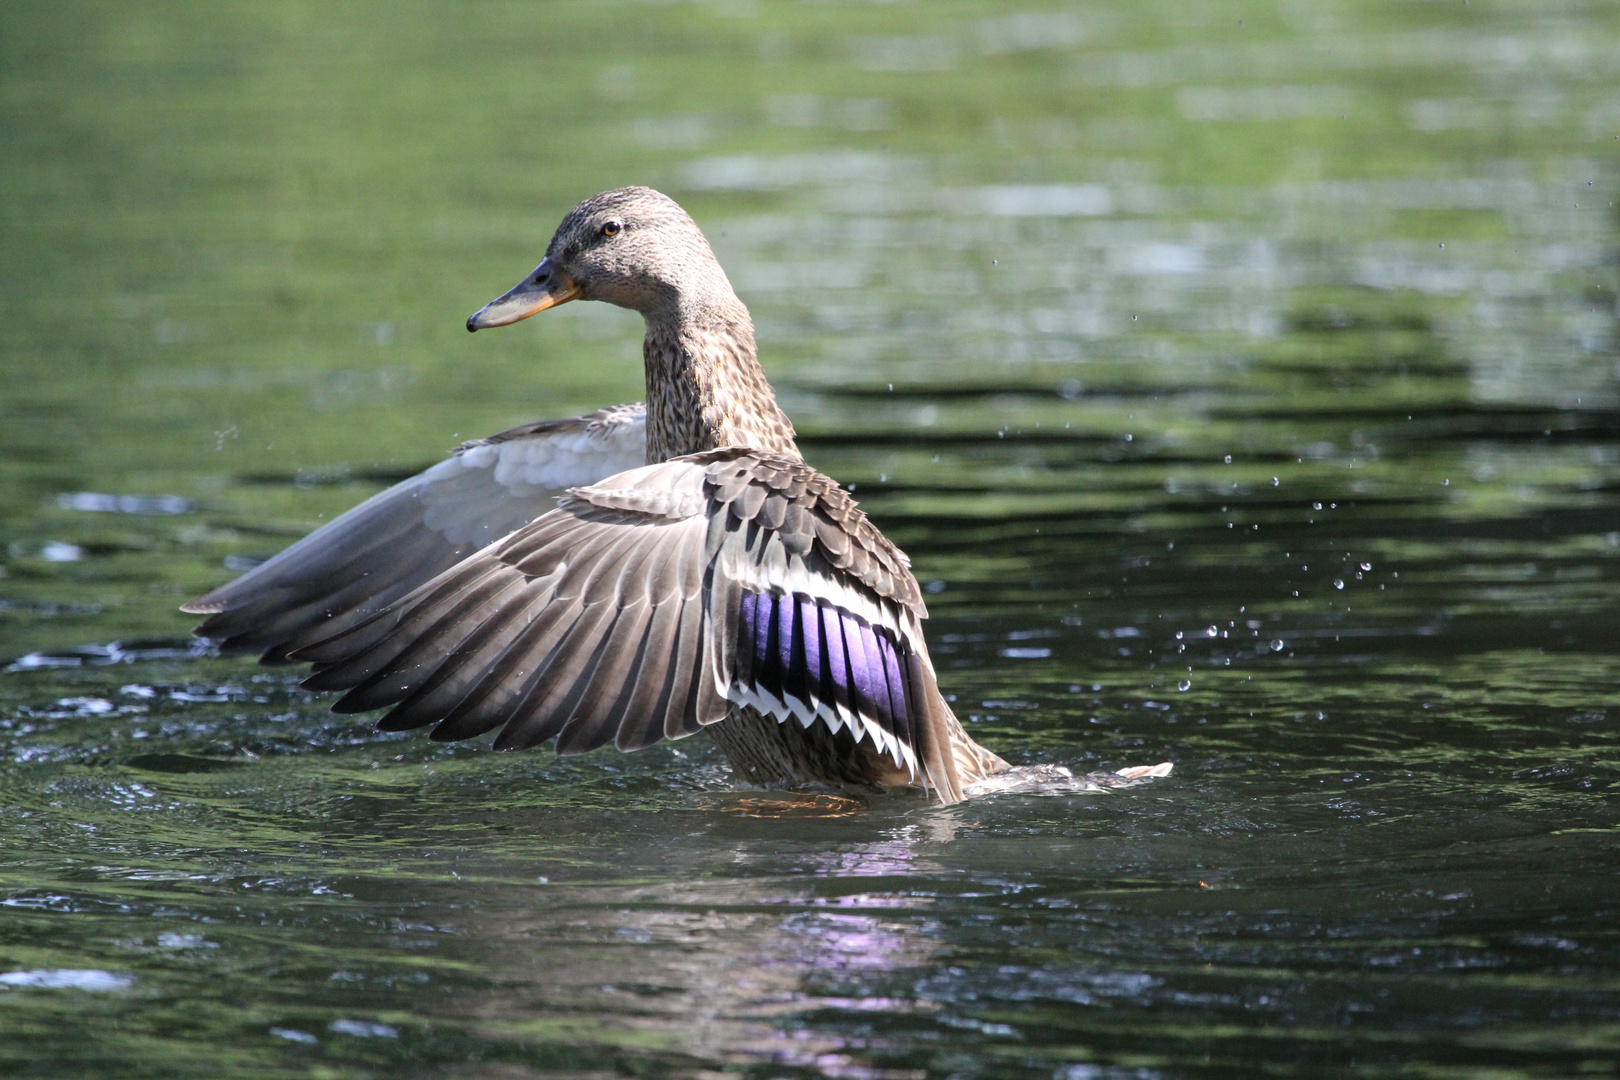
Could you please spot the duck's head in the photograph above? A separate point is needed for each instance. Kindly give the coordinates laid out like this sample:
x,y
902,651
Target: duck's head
x,y
634,247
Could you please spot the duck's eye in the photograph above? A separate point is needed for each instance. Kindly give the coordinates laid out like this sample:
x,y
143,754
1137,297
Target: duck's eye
x,y
611,228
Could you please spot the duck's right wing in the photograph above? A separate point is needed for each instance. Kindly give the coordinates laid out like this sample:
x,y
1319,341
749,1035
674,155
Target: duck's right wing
x,y
646,606
359,563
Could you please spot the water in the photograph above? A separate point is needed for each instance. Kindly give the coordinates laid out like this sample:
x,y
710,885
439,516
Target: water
x,y
1241,379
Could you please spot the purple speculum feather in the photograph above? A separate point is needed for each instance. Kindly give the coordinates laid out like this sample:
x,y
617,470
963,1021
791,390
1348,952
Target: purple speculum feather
x,y
816,652
810,620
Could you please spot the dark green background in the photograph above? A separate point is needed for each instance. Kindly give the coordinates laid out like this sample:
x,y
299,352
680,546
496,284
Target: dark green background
x,y
1242,379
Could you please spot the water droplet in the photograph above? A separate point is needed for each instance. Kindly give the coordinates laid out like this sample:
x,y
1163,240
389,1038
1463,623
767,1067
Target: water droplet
x,y
1276,645
1366,566
1212,631
1184,685
1338,583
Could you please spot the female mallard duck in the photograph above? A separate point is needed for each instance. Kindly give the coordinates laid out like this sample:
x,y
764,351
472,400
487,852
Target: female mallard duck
x,y
637,574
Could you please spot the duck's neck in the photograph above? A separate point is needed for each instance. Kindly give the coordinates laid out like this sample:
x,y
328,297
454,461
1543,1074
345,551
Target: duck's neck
x,y
705,388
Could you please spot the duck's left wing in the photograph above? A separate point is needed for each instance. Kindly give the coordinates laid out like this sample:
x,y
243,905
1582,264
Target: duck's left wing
x,y
359,563
646,605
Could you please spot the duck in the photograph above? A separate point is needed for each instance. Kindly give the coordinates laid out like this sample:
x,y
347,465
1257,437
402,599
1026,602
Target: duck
x,y
641,573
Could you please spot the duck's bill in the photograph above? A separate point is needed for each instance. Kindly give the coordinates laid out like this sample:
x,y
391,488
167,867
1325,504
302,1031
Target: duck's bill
x,y
547,287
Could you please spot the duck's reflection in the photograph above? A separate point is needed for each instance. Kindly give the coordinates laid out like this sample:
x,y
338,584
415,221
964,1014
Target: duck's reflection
x,y
720,966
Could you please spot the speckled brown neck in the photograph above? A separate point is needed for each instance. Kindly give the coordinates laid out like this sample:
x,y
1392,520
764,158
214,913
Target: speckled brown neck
x,y
705,388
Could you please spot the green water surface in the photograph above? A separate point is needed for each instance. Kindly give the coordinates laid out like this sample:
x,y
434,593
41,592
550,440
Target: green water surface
x,y
1243,380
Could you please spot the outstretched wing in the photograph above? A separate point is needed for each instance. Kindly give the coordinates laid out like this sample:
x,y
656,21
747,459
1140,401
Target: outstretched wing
x,y
366,559
646,605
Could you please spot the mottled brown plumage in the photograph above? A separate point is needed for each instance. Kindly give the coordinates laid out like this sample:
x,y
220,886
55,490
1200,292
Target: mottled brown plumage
x,y
705,386
706,389
725,584
810,512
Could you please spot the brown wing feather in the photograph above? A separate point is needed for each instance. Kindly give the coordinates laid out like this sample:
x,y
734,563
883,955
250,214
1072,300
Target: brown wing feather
x,y
832,522
423,634
643,722
563,679
502,690
462,672
616,618
544,633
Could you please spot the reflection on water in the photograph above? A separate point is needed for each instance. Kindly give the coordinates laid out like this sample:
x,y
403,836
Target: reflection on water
x,y
714,970
1241,380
